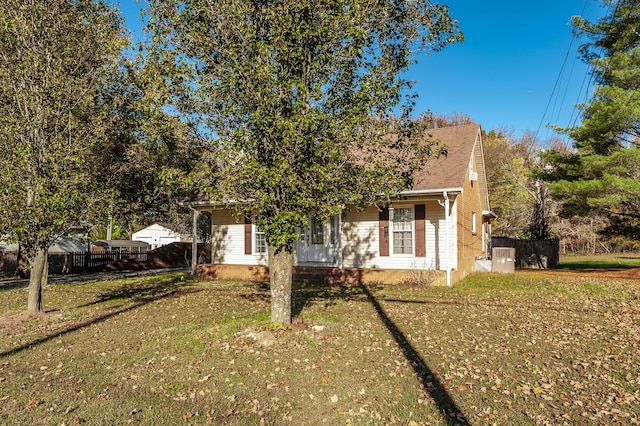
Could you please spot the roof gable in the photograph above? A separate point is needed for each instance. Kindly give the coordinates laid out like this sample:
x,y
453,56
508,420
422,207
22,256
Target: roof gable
x,y
450,171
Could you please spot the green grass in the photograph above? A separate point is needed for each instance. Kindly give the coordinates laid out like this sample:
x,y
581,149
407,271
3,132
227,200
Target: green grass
x,y
604,261
529,348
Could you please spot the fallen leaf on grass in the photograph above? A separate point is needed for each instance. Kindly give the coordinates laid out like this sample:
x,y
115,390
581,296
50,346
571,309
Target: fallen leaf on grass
x,y
187,416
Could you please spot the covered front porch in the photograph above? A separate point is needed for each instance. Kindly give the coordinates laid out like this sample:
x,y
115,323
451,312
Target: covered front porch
x,y
412,241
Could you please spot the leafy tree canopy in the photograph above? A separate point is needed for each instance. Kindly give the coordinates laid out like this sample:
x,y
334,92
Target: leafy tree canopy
x,y
301,99
58,60
298,97
59,63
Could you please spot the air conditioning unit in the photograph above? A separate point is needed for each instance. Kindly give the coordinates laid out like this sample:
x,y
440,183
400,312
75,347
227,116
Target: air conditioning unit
x,y
473,176
503,260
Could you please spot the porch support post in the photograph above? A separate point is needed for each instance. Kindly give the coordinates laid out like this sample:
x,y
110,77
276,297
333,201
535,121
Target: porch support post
x,y
447,233
339,230
194,241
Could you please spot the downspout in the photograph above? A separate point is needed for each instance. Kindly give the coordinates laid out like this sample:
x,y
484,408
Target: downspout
x,y
447,232
339,230
194,241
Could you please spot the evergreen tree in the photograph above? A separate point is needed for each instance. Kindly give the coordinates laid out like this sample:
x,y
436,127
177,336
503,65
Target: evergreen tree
x,y
603,176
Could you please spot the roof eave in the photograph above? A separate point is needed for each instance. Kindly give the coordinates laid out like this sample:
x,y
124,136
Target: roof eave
x,y
436,191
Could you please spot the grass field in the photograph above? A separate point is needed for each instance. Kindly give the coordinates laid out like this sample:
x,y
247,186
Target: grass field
x,y
603,261
529,348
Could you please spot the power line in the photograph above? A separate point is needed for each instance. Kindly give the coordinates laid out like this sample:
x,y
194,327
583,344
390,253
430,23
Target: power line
x,y
554,91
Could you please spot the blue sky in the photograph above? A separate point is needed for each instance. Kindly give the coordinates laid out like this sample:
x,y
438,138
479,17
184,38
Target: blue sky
x,y
509,71
505,72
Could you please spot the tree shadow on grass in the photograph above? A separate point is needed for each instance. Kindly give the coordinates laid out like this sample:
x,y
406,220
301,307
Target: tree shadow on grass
x,y
141,294
429,382
143,291
306,294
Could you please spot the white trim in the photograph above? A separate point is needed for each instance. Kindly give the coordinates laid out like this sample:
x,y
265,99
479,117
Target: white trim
x,y
445,203
413,232
474,228
430,191
254,239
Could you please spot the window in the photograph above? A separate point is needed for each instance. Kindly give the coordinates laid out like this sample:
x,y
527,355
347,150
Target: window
x,y
473,223
261,241
402,230
317,231
333,222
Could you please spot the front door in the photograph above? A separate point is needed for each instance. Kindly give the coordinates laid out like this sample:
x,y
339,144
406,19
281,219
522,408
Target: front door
x,y
318,242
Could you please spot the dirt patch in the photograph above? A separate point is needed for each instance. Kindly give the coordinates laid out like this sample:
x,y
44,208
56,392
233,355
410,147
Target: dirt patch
x,y
16,322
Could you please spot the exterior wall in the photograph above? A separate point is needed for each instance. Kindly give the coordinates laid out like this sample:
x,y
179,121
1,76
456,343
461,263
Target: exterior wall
x,y
156,236
211,271
361,243
444,244
361,240
227,241
470,237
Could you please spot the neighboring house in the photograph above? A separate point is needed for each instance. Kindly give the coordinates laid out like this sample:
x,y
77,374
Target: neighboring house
x,y
67,244
119,246
441,224
61,254
157,235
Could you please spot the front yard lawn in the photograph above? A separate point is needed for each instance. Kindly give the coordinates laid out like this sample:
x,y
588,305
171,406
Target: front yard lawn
x,y
529,348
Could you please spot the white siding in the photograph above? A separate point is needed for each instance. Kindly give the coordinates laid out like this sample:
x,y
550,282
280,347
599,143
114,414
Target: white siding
x,y
437,235
434,229
156,236
360,240
227,237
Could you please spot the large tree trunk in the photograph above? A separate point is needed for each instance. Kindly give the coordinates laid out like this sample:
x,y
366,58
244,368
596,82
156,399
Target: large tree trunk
x,y
39,275
280,276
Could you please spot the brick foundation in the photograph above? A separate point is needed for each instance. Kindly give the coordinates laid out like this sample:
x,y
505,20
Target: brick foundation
x,y
327,275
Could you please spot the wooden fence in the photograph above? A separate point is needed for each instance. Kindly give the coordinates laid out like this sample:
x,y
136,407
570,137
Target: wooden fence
x,y
8,261
533,254
75,262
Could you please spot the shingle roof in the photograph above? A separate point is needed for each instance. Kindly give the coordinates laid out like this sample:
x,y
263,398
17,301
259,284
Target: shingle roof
x,y
448,171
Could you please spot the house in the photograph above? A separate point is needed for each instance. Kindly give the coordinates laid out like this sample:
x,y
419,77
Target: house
x,y
442,224
119,246
66,244
157,235
61,254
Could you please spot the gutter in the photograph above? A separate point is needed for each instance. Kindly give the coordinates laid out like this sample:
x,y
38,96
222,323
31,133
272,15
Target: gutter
x,y
414,192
